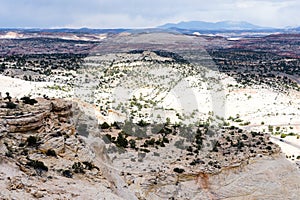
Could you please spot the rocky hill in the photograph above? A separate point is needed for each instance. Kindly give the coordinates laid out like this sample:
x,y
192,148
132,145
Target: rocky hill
x,y
50,149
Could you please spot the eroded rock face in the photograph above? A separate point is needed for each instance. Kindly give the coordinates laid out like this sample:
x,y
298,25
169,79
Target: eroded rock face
x,y
31,117
263,178
42,155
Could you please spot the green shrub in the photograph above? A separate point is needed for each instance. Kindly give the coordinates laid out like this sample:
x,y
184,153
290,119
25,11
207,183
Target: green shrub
x,y
32,141
145,150
78,168
142,123
178,170
165,140
121,141
51,152
132,143
11,105
238,120
283,135
89,165
107,138
37,165
67,173
105,125
28,100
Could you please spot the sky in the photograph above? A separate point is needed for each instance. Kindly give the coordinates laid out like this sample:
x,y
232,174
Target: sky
x,y
144,13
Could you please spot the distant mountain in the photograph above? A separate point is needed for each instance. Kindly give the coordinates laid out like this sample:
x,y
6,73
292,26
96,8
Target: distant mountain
x,y
65,30
224,25
297,29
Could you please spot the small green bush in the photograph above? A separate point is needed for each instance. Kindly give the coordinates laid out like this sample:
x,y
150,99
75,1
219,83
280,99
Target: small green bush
x,y
28,100
89,165
37,165
283,135
78,168
11,105
105,125
51,152
32,141
121,141
178,170
132,143
145,150
67,173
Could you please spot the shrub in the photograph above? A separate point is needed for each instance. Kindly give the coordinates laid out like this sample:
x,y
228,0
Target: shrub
x,y
89,165
9,153
240,144
28,100
283,135
142,123
132,143
31,141
107,138
121,141
165,140
245,137
116,125
105,125
178,170
190,149
37,165
67,173
11,105
51,152
215,146
8,97
150,142
145,150
244,124
270,128
78,168
238,120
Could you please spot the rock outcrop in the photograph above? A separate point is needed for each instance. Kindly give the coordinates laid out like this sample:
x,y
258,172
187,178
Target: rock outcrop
x,y
42,155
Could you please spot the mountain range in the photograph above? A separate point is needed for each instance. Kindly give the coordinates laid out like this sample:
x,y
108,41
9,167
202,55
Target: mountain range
x,y
185,27
223,25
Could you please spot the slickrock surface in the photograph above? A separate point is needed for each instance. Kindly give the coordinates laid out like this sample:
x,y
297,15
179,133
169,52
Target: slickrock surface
x,y
53,150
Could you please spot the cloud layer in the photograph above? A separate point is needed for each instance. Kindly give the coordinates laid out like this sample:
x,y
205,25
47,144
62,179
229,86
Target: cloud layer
x,y
144,13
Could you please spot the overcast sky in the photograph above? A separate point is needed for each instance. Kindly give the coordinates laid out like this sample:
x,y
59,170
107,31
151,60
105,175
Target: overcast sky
x,y
144,13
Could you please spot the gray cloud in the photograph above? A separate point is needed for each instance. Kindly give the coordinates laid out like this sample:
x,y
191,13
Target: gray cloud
x,y
143,13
